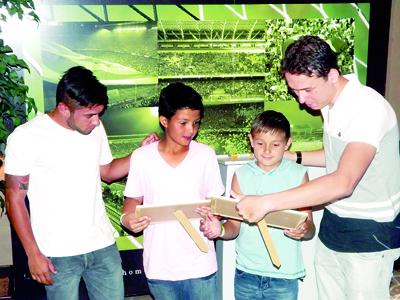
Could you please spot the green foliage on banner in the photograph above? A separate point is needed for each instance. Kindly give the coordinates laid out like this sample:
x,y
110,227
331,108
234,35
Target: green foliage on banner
x,y
15,104
339,33
20,8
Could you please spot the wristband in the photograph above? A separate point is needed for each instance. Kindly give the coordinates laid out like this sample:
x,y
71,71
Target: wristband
x,y
299,157
121,217
221,234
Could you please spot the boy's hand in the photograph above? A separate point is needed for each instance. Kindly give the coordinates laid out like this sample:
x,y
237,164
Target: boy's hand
x,y
135,224
298,233
203,211
209,224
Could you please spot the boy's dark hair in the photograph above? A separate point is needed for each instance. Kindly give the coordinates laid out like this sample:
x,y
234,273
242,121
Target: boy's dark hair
x,y
177,96
79,86
270,121
309,55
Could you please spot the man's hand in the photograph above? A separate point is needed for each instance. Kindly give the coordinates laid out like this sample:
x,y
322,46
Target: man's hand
x,y
135,224
41,268
250,208
150,138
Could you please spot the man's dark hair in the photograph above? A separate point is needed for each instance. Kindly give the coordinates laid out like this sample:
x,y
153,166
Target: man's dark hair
x,y
270,121
79,85
309,55
177,96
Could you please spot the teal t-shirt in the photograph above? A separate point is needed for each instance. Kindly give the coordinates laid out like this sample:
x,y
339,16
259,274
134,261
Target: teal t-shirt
x,y
252,255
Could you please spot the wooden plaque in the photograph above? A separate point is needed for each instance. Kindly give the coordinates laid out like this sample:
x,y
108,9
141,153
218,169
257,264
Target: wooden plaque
x,y
285,219
166,213
269,244
176,212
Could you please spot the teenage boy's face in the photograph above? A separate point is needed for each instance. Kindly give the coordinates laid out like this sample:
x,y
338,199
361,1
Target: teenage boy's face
x,y
315,92
183,126
84,119
269,148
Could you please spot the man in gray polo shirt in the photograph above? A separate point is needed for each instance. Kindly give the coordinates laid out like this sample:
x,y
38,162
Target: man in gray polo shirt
x,y
359,236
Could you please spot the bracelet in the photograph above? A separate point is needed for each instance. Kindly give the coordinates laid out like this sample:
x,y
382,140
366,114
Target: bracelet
x,y
299,157
221,234
121,217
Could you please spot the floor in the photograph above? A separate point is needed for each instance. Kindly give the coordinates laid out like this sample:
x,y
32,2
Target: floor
x,y
395,286
5,241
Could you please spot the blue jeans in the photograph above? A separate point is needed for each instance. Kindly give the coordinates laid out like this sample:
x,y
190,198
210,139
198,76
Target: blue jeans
x,y
255,287
204,288
101,270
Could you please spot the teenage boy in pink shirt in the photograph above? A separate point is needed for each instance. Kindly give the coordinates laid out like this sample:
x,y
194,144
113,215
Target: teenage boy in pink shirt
x,y
175,169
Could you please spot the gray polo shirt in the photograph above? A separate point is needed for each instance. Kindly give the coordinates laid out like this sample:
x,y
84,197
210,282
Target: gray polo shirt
x,y
366,220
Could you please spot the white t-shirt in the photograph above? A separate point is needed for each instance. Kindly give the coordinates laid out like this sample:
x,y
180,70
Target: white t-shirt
x,y
68,215
360,114
169,252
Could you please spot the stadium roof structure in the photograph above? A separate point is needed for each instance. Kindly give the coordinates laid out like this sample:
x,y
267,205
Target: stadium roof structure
x,y
374,15
216,30
104,11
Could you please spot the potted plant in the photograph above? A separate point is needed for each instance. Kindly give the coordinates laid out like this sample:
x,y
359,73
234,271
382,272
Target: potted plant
x,y
15,104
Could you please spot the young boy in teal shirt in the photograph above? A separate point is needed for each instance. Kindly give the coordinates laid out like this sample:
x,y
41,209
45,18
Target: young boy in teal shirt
x,y
256,277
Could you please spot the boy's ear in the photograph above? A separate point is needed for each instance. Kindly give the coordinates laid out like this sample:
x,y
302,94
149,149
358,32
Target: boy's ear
x,y
251,140
164,121
288,143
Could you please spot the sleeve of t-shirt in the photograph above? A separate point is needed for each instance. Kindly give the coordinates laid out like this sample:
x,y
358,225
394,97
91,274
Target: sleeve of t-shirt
x,y
19,154
371,123
133,186
215,187
105,155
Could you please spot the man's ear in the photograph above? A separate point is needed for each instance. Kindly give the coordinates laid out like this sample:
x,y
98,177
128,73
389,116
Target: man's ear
x,y
64,109
164,121
333,75
288,143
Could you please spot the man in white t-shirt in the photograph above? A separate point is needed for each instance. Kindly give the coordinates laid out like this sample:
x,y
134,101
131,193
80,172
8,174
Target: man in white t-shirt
x,y
359,236
58,160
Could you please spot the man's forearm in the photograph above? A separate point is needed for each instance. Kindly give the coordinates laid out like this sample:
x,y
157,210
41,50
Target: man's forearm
x,y
15,193
116,169
315,158
324,189
21,224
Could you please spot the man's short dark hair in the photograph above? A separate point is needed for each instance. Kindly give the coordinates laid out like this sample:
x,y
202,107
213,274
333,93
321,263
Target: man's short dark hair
x,y
177,96
80,85
271,121
309,55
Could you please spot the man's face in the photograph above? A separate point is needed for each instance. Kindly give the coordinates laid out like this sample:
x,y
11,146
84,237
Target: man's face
x,y
85,119
315,92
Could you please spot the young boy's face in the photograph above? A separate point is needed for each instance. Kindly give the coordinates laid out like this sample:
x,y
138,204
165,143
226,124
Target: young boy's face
x,y
183,126
269,148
